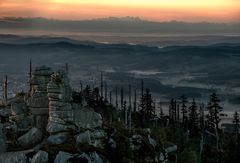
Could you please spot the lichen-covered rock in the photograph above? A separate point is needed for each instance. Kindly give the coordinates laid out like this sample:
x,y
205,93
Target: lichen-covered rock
x,y
40,157
94,138
92,157
58,138
54,127
31,138
83,138
62,157
87,118
14,157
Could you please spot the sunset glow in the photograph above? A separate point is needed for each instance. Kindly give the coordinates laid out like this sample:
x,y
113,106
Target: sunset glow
x,y
159,10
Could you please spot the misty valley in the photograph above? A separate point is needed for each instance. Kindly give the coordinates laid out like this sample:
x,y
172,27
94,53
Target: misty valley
x,y
167,71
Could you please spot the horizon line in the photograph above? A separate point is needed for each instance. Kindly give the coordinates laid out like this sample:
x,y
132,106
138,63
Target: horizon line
x,y
117,18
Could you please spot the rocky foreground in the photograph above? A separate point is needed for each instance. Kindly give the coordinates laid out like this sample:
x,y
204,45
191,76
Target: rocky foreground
x,y
49,124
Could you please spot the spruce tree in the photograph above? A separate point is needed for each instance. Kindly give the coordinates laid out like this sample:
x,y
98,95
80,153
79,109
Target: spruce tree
x,y
193,121
173,111
214,110
183,103
147,110
236,122
213,117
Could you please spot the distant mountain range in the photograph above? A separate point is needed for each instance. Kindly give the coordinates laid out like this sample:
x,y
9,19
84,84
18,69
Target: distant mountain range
x,y
168,71
132,25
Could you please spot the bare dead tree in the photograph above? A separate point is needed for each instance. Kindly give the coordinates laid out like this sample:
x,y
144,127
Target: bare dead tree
x,y
154,106
81,92
124,107
30,75
110,97
122,96
178,113
142,102
116,96
106,92
101,84
6,89
130,107
161,110
135,101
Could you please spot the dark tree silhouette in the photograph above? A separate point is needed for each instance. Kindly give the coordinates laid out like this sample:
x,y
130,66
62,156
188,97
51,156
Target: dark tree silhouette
x,y
214,110
122,96
173,110
116,97
5,88
88,94
135,101
101,84
125,111
161,110
183,103
236,122
213,117
106,92
147,106
193,119
96,93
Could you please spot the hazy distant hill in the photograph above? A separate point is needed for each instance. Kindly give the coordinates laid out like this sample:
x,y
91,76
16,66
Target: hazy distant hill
x,y
120,25
168,71
159,41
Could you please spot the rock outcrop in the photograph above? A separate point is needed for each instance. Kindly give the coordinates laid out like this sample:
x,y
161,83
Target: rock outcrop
x,y
14,157
64,157
38,101
58,138
89,125
60,109
31,138
87,118
94,138
20,115
40,157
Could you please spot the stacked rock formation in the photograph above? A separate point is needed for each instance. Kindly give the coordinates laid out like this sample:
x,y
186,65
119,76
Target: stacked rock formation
x,y
60,109
38,101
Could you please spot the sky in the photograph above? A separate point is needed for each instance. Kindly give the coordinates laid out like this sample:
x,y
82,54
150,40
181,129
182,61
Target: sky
x,y
156,10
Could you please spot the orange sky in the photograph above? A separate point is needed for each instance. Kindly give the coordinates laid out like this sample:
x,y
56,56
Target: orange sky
x,y
159,10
